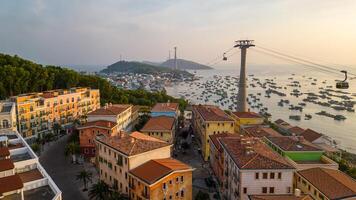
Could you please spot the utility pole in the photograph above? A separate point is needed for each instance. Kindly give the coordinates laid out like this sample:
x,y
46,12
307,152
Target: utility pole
x,y
175,58
241,101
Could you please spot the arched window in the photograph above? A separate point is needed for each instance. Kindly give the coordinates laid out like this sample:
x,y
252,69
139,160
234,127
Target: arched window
x,y
5,123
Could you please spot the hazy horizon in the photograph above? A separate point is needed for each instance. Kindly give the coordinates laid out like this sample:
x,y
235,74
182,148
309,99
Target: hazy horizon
x,y
99,32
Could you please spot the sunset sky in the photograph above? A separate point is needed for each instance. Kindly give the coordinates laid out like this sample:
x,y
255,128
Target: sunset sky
x,y
77,32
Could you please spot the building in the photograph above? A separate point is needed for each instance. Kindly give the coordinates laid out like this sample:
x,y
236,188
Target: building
x,y
281,197
37,112
252,168
283,126
118,113
165,109
8,116
88,132
210,120
167,179
295,130
325,184
161,127
299,152
21,174
246,119
259,131
117,155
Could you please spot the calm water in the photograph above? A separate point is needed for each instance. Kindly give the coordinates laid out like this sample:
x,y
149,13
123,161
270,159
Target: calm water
x,y
344,132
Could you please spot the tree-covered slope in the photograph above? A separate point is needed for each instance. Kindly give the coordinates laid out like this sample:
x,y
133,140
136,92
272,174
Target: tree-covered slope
x,y
184,64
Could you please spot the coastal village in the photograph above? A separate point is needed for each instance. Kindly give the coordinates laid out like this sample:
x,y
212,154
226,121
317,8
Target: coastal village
x,y
197,152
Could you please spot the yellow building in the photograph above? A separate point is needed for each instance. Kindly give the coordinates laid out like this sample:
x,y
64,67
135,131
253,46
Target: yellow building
x,y
161,127
37,112
210,120
245,119
161,179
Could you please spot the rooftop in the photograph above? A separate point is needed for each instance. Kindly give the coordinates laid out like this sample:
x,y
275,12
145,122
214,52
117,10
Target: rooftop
x,y
165,107
311,135
132,144
246,115
6,164
214,138
260,131
159,123
10,183
293,143
99,123
280,197
115,109
4,151
212,113
251,153
31,175
334,184
158,169
296,130
20,157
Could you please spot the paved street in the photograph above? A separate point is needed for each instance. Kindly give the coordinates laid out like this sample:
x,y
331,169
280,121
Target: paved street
x,y
63,172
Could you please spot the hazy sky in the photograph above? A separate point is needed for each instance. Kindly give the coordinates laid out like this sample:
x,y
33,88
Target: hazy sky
x,y
97,32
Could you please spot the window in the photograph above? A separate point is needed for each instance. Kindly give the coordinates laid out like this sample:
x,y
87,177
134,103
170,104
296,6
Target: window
x,y
279,175
181,179
164,186
257,175
288,190
177,179
5,123
271,176
309,187
265,175
264,190
177,194
271,190
125,175
245,190
182,193
170,182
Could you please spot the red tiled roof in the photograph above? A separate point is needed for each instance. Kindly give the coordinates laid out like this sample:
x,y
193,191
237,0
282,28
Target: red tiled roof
x,y
296,130
258,156
212,113
165,107
142,136
214,138
10,183
31,175
293,143
131,145
4,151
159,123
47,95
279,121
311,135
334,184
99,123
246,115
6,164
158,168
115,109
280,197
259,131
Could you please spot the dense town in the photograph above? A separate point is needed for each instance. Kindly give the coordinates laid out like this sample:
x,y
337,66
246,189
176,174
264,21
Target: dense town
x,y
126,151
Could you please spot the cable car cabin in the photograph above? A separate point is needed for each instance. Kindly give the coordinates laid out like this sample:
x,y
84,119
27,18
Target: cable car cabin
x,y
342,85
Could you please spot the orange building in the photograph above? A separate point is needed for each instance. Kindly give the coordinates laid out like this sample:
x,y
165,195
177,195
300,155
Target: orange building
x,y
89,130
167,179
37,112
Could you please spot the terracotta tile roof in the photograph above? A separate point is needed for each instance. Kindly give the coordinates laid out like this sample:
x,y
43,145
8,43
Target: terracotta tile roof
x,y
259,131
334,184
15,146
311,135
6,164
4,151
142,136
165,107
296,130
30,175
214,138
279,121
259,157
246,115
280,197
115,109
99,123
158,168
293,143
159,123
131,145
48,95
212,113
10,183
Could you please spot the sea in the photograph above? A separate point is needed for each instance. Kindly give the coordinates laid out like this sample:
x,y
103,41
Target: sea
x,y
311,81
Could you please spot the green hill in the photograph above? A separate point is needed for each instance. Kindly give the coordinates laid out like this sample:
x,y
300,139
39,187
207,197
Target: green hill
x,y
185,64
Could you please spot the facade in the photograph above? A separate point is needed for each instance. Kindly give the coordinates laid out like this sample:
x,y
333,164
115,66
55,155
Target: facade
x,y
118,113
246,119
326,184
167,179
299,152
209,120
21,174
88,132
165,109
37,112
252,168
117,155
8,116
161,127
281,197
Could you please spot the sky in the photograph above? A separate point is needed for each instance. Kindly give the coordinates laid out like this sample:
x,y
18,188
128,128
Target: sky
x,y
80,32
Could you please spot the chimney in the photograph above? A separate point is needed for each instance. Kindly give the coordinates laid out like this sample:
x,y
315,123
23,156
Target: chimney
x,y
132,139
297,192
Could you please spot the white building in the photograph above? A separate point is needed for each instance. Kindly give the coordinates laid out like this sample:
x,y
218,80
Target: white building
x,y
21,175
7,116
252,168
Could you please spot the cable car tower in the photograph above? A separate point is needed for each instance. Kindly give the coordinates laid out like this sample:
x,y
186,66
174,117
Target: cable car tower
x,y
241,101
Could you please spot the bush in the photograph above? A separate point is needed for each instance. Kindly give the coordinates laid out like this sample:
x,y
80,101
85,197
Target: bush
x,y
202,196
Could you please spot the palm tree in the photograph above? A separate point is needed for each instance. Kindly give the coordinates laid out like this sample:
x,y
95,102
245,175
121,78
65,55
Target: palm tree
x,y
114,195
85,176
99,191
72,149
